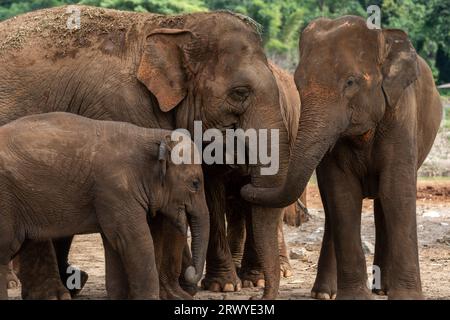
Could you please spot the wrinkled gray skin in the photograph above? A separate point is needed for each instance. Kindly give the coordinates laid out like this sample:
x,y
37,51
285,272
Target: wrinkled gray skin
x,y
62,174
153,71
370,113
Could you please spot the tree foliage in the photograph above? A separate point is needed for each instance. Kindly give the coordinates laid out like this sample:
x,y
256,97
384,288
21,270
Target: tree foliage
x,y
426,21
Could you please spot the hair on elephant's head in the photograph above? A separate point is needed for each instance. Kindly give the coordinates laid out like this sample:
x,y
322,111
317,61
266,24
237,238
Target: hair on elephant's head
x,y
183,201
347,77
212,68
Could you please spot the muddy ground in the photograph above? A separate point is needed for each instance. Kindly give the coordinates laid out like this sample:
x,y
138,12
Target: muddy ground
x,y
433,214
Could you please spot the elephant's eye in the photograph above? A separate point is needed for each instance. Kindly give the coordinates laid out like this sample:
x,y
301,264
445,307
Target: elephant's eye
x,y
240,93
196,184
350,82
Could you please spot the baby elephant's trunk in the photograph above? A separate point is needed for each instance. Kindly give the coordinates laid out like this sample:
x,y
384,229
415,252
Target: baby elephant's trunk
x,y
199,224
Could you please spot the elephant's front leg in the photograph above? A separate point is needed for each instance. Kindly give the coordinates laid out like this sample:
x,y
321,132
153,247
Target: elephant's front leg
x,y
398,199
38,272
252,273
325,285
381,250
220,270
265,223
343,194
115,275
236,232
135,248
169,246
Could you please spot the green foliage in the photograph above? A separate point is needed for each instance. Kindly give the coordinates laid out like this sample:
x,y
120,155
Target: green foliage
x,y
426,21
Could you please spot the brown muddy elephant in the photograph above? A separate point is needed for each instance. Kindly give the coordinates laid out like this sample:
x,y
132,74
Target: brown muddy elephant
x,y
153,71
123,175
238,217
370,113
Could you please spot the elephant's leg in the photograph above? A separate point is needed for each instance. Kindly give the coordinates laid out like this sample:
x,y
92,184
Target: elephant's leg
x,y
38,272
236,233
343,194
398,198
116,278
285,265
62,249
251,272
325,285
381,249
11,278
220,270
294,215
265,223
169,246
128,233
4,269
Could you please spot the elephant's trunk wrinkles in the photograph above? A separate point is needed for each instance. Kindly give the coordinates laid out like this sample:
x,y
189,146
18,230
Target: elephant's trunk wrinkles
x,y
314,138
200,235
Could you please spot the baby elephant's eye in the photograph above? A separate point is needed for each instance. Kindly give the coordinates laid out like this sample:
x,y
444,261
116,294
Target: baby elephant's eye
x,y
350,82
196,184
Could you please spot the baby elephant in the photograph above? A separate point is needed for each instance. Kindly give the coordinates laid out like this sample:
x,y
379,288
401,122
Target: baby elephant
x,y
62,174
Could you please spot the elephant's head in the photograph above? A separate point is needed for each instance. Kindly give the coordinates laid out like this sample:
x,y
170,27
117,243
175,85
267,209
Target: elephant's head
x,y
348,77
183,202
212,67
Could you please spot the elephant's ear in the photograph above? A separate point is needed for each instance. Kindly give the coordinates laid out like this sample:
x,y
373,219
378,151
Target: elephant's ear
x,y
163,66
399,64
163,158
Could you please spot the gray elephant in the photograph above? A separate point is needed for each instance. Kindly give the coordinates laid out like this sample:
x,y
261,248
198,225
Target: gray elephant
x,y
153,71
370,113
62,174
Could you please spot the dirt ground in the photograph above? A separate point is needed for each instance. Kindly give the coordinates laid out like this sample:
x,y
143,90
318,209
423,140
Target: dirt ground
x,y
433,214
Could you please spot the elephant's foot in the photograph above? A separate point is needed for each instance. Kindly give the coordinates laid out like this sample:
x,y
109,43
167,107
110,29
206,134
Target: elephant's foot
x,y
404,294
171,290
286,270
325,288
190,288
380,292
49,289
252,278
354,294
222,282
11,280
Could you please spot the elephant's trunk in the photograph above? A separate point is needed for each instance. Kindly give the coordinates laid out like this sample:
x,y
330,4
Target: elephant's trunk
x,y
199,224
314,138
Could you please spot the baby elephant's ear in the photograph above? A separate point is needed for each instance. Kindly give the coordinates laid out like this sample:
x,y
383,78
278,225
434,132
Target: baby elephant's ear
x,y
163,158
400,67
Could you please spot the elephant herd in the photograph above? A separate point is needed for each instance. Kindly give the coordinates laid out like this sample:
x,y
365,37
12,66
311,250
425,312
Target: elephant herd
x,y
369,115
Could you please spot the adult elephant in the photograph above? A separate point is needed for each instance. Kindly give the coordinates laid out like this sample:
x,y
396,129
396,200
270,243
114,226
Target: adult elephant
x,y
370,113
239,230
154,71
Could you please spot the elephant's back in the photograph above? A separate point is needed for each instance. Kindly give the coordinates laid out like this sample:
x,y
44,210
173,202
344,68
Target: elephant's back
x,y
57,28
47,139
